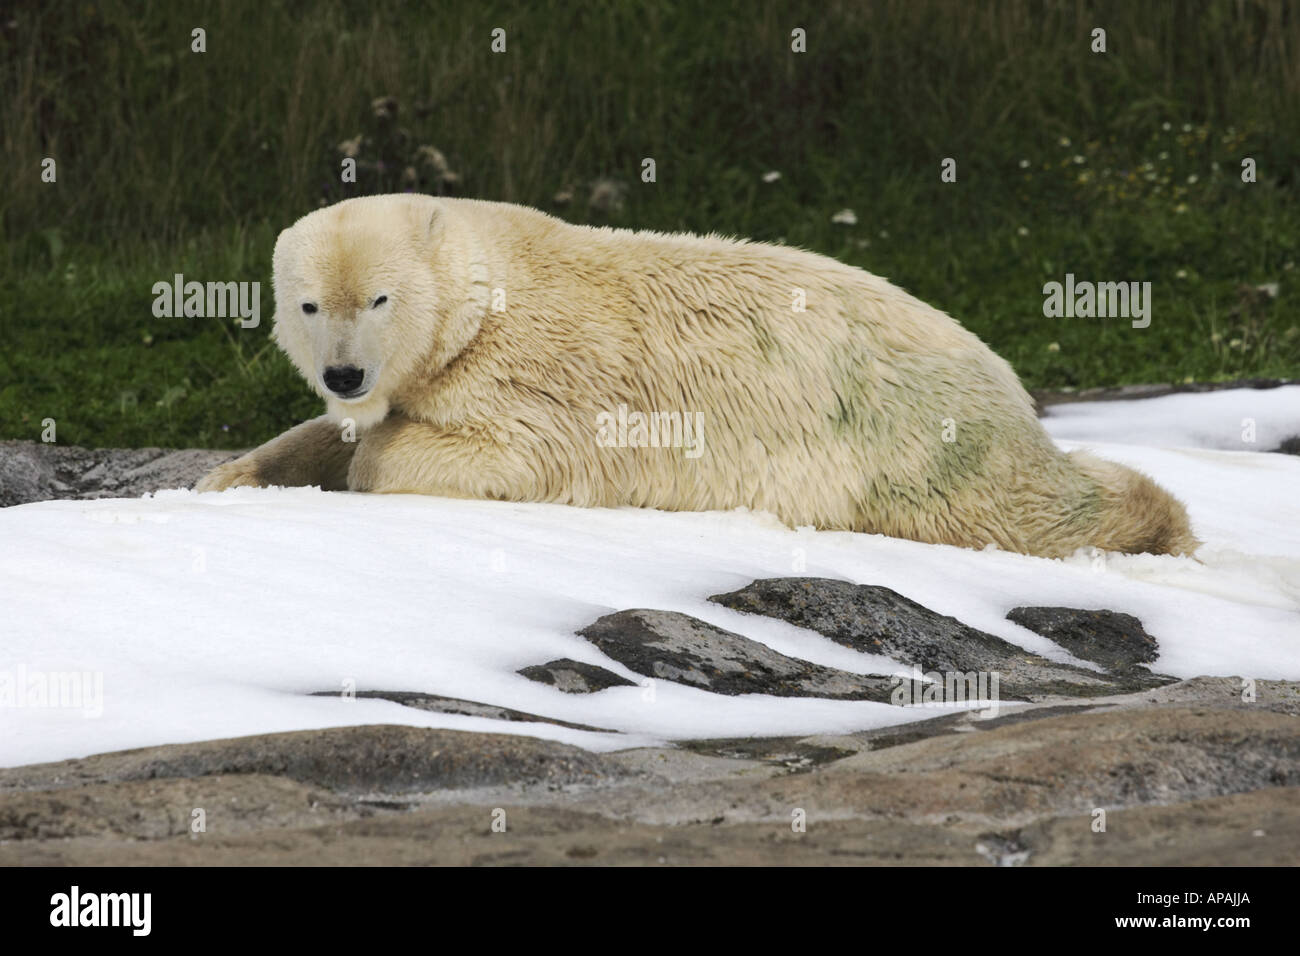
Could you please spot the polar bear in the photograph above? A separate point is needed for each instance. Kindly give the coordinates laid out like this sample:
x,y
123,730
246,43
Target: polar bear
x,y
484,350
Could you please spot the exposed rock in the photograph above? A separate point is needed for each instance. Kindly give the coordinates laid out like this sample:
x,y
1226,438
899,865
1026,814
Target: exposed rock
x,y
36,471
686,650
791,754
1115,641
877,620
962,721
455,705
1075,762
1223,694
384,758
574,677
158,809
1260,828
1254,828
1188,775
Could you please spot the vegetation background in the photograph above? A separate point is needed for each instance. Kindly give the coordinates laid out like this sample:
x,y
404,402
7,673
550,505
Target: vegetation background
x,y
1117,166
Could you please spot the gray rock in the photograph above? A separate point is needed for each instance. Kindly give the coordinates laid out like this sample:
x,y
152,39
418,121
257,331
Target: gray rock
x,y
1076,761
877,620
36,471
1116,641
790,754
25,474
686,650
159,809
873,619
386,758
1188,775
574,677
455,705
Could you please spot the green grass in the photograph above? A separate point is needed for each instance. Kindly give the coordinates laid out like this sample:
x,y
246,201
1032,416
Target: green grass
x,y
170,162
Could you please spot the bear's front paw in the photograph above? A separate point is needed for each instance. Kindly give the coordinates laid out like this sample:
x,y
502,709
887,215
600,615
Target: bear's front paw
x,y
233,474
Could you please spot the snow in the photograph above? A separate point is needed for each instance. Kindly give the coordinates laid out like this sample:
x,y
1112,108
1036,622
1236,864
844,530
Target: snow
x,y
210,616
1215,420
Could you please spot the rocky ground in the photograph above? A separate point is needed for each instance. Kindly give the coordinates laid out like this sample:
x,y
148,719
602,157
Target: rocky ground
x,y
1185,774
1100,761
35,471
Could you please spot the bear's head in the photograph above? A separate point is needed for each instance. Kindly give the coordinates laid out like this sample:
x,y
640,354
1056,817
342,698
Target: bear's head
x,y
369,292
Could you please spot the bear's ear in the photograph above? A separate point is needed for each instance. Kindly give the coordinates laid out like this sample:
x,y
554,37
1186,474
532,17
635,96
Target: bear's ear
x,y
281,251
435,224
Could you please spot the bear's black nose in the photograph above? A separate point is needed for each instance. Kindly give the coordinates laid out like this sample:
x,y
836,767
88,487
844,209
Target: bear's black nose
x,y
344,379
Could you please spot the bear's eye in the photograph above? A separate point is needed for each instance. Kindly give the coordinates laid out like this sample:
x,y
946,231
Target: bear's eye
x,y
379,301
309,307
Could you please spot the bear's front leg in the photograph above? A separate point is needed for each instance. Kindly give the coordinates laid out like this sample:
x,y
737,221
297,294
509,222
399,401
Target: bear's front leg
x,y
313,453
403,456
